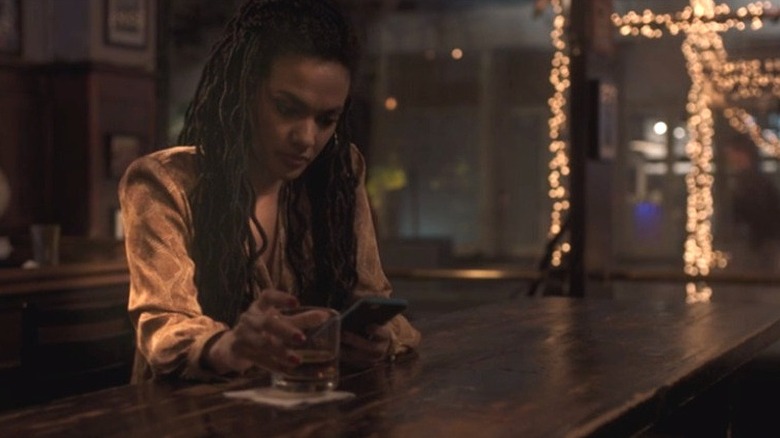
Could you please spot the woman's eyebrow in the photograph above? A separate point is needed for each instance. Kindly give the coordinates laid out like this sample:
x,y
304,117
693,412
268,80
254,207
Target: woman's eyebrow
x,y
296,101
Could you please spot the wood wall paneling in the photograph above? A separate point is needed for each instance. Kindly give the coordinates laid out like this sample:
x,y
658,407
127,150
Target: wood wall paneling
x,y
82,328
22,146
72,194
55,122
11,334
92,103
125,104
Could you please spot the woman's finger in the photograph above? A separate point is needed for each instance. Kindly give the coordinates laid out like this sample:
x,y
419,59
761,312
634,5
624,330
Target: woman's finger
x,y
378,333
264,348
267,338
272,298
310,319
275,323
369,350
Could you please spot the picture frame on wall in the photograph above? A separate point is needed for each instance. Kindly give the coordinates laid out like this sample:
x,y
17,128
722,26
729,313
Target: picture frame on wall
x,y
122,149
10,27
127,23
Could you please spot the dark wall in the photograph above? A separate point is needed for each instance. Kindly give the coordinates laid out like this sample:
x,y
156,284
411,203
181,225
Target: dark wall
x,y
23,116
56,122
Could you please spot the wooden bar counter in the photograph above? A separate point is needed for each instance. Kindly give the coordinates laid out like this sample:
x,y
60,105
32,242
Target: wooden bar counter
x,y
531,367
73,315
84,264
16,281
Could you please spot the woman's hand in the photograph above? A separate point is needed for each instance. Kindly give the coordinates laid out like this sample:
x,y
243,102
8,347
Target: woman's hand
x,y
365,351
263,336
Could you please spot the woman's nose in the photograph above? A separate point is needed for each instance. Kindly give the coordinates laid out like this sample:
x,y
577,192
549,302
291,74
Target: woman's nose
x,y
305,133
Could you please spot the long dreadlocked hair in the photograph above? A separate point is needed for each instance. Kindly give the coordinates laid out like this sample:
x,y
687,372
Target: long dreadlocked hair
x,y
219,123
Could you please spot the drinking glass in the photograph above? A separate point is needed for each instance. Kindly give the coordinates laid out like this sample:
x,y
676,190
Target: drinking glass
x,y
319,367
46,244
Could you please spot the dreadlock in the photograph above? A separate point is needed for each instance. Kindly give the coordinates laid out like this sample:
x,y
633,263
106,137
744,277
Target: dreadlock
x,y
320,203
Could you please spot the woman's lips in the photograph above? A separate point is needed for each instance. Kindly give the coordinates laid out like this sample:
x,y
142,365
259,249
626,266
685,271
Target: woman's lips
x,y
292,160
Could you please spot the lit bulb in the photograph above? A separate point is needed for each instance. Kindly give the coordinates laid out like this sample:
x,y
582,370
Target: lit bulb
x,y
660,128
391,103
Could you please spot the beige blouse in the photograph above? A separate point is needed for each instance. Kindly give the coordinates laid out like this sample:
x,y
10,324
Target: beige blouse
x,y
171,329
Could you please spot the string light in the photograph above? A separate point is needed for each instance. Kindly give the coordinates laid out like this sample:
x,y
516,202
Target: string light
x,y
697,292
743,122
712,77
559,163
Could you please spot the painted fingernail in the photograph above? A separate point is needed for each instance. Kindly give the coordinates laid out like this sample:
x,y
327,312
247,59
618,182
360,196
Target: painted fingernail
x,y
294,359
299,338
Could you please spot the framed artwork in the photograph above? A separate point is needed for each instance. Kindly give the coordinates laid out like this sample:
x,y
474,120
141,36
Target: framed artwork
x,y
121,151
127,23
10,27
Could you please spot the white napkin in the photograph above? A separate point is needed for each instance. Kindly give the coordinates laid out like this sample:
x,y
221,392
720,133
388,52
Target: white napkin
x,y
288,400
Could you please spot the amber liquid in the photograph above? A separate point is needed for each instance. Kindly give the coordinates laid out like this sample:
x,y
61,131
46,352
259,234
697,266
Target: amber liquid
x,y
318,371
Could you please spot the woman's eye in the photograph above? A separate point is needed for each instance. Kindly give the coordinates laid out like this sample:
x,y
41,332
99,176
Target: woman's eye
x,y
285,110
327,122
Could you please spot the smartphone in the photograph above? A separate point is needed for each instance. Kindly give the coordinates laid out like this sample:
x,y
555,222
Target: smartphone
x,y
371,310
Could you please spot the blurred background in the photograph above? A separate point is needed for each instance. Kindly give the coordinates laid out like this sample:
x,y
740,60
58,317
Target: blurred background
x,y
451,110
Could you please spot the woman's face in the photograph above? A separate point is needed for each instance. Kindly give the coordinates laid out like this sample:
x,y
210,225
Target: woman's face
x,y
298,108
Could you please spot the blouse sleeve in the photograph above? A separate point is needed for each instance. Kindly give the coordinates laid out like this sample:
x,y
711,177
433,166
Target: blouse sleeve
x,y
171,329
371,277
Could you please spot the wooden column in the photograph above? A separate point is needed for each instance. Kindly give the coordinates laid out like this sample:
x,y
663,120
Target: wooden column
x,y
579,143
487,160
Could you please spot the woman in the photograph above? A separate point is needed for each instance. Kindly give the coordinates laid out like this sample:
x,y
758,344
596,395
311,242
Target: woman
x,y
268,210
